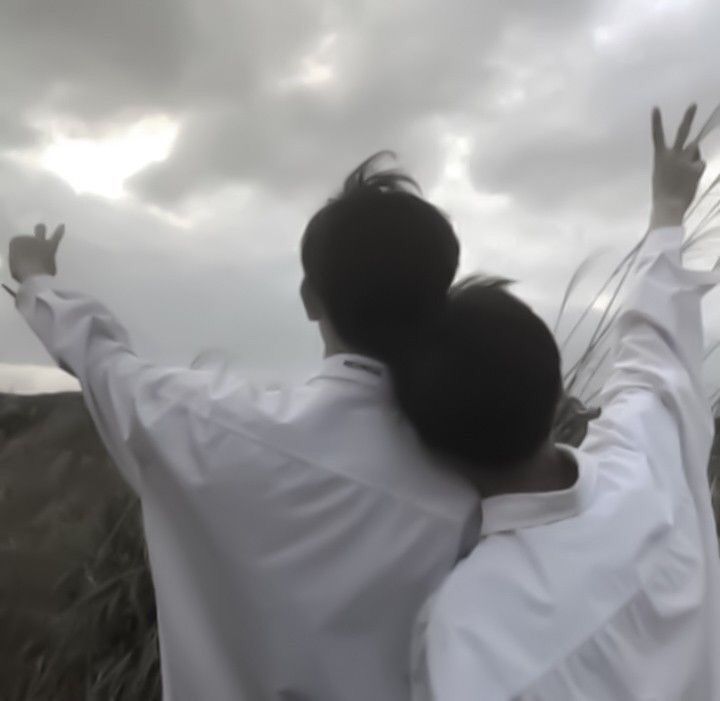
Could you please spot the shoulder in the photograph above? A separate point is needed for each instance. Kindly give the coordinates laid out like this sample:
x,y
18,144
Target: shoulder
x,y
216,405
519,603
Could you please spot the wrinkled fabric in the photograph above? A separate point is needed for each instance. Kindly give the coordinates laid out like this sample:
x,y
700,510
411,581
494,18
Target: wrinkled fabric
x,y
293,532
609,590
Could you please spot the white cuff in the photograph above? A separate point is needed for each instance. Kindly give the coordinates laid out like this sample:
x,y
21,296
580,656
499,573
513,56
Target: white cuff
x,y
665,238
32,285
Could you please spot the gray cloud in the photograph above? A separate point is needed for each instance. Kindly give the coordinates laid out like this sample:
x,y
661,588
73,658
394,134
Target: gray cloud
x,y
401,75
580,135
92,61
553,97
231,286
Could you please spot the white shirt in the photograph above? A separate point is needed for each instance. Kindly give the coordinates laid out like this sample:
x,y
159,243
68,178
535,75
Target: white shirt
x,y
293,533
609,590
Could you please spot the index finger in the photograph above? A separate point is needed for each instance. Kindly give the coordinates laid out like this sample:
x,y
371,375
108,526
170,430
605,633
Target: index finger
x,y
657,130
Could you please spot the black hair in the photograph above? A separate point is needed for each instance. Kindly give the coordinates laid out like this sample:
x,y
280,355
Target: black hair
x,y
484,384
380,258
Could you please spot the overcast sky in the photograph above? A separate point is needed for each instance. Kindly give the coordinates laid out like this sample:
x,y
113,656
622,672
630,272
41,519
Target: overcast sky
x,y
185,143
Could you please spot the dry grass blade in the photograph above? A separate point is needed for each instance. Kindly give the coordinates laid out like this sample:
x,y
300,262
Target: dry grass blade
x,y
598,295
573,375
600,329
603,326
600,363
712,122
699,228
577,276
701,199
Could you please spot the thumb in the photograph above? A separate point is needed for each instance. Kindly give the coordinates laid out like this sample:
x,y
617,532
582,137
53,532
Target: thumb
x,y
57,237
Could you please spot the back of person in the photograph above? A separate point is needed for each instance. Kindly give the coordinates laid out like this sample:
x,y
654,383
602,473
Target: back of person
x,y
293,534
303,543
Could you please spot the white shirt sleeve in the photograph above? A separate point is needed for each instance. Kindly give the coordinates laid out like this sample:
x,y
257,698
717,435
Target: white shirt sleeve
x,y
124,394
654,401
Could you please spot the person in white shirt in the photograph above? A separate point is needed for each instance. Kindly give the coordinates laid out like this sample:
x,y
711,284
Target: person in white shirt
x,y
293,533
596,577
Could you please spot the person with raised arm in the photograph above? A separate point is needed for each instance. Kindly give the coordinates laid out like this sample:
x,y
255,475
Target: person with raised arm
x,y
293,533
596,575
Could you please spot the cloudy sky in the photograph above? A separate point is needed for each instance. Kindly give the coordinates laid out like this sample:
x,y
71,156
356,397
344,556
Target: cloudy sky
x,y
185,143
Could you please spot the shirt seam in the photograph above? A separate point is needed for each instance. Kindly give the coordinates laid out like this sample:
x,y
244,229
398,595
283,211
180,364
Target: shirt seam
x,y
288,454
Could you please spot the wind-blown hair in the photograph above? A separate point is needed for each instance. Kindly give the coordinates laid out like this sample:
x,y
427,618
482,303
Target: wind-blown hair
x,y
380,258
484,384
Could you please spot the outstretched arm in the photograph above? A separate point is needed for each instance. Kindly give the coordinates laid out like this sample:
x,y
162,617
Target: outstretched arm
x,y
126,395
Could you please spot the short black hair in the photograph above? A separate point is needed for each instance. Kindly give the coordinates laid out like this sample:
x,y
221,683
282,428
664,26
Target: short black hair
x,y
484,385
380,258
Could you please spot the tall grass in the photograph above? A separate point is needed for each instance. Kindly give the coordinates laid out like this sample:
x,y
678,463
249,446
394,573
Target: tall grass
x,y
101,640
77,609
584,375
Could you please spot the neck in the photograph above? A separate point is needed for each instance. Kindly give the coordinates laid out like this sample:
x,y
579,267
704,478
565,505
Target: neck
x,y
334,345
337,348
549,470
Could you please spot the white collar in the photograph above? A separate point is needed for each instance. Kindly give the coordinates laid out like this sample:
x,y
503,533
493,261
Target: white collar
x,y
511,512
355,368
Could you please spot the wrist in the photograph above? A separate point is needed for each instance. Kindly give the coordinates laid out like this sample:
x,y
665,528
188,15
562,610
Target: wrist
x,y
667,213
29,272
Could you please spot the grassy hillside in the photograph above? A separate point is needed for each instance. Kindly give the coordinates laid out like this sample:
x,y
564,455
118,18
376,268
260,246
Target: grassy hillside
x,y
77,613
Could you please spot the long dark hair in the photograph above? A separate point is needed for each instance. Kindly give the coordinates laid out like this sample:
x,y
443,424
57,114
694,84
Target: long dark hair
x,y
483,383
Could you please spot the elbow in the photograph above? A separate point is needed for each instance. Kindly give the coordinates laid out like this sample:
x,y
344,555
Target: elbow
x,y
686,396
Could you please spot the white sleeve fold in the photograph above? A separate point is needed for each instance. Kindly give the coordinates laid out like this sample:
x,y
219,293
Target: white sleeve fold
x,y
655,383
124,394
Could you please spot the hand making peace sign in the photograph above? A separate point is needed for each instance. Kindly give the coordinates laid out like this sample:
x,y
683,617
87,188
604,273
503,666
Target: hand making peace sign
x,y
676,173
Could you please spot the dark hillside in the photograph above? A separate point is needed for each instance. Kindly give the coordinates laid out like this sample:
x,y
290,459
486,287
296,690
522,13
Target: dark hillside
x,y
76,605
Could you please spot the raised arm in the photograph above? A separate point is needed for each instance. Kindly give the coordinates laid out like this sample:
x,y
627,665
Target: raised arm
x,y
654,402
658,336
126,395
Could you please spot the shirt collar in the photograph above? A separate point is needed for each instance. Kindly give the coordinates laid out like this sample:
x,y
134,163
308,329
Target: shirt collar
x,y
355,368
511,512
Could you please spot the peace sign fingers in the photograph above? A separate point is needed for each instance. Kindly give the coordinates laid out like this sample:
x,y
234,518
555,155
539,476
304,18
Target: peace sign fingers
x,y
683,131
677,170
657,130
684,128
